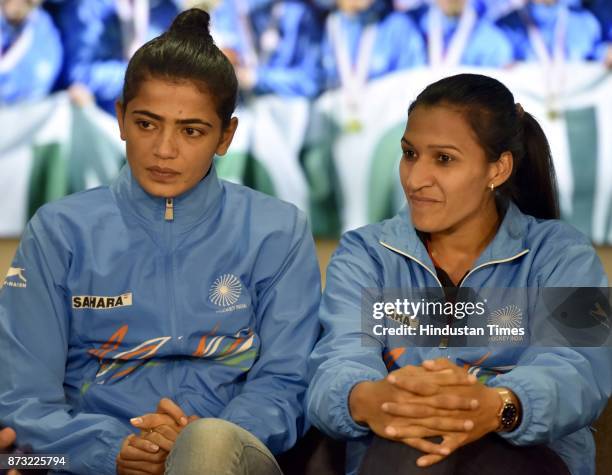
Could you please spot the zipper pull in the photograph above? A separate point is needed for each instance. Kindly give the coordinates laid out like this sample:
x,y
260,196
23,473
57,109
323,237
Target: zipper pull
x,y
169,215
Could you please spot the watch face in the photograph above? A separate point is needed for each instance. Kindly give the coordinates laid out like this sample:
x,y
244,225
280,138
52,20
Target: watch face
x,y
508,415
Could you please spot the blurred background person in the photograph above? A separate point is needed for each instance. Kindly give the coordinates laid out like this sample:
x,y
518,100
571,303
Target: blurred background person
x,y
31,51
457,34
101,35
273,45
361,43
362,38
406,5
603,12
495,9
552,30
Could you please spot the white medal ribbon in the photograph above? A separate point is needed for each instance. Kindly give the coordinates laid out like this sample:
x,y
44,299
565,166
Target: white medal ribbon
x,y
249,55
270,38
353,77
252,56
458,42
555,64
134,19
17,50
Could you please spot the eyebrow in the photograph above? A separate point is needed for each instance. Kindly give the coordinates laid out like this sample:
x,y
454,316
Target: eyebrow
x,y
181,121
405,141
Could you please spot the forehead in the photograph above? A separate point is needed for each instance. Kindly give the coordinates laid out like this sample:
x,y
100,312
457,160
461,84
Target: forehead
x,y
174,99
439,124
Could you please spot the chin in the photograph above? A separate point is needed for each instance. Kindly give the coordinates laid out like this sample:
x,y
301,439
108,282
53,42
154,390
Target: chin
x,y
425,224
160,190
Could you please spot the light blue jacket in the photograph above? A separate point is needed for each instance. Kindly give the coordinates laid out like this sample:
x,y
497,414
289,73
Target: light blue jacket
x,y
603,12
487,45
291,69
393,28
119,308
34,75
562,390
583,32
92,39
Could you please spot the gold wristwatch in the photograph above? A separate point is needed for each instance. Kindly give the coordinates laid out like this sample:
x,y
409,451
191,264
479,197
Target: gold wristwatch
x,y
510,413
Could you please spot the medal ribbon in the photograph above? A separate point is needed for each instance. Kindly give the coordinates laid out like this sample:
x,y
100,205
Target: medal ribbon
x,y
353,77
458,42
250,56
554,65
17,50
134,18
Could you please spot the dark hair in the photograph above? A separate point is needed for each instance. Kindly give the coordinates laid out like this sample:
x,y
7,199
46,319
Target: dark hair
x,y
500,125
186,51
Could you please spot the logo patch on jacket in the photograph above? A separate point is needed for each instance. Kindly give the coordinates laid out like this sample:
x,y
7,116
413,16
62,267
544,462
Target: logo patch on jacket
x,y
225,291
15,278
98,302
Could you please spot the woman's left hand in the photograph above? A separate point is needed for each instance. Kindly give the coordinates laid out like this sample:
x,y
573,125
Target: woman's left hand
x,y
485,418
163,427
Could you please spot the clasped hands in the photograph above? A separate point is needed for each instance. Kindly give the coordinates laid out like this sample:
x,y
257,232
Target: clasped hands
x,y
146,453
436,399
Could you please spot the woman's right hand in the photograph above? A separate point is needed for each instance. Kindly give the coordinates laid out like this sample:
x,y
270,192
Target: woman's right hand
x,y
139,457
369,399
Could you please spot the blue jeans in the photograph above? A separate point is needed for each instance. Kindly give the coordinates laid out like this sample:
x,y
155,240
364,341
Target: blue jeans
x,y
218,447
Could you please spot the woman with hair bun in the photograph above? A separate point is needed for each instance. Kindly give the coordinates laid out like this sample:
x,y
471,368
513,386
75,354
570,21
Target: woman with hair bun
x,y
482,215
163,323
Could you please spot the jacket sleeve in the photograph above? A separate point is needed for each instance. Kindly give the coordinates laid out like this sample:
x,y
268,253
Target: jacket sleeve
x,y
270,404
346,353
83,27
34,345
413,53
294,67
561,389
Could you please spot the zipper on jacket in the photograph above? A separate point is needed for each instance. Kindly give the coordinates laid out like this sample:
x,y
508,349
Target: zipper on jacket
x,y
415,260
498,261
444,341
170,284
169,214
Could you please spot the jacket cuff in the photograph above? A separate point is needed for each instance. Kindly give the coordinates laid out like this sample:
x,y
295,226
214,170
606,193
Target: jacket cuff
x,y
340,392
109,462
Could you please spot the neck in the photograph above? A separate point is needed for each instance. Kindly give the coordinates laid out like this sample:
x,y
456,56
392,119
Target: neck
x,y
467,240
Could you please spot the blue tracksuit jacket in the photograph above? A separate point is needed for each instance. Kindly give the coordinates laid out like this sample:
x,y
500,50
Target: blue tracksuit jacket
x,y
33,76
108,307
562,390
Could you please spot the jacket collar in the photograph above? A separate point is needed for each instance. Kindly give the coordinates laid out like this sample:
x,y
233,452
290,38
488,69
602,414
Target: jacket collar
x,y
399,235
190,208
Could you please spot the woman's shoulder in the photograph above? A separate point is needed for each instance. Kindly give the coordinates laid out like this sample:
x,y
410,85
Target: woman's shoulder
x,y
561,255
370,241
83,206
553,234
258,207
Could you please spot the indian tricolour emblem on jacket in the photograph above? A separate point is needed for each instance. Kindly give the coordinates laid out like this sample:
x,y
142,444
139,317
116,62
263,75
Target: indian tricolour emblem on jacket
x,y
225,290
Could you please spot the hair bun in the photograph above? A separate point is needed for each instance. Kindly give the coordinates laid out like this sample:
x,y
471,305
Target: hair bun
x,y
194,21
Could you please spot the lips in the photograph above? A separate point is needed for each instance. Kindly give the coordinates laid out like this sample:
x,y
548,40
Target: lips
x,y
165,171
422,200
162,174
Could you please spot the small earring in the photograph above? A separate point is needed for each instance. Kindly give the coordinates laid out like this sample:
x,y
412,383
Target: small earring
x,y
492,186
